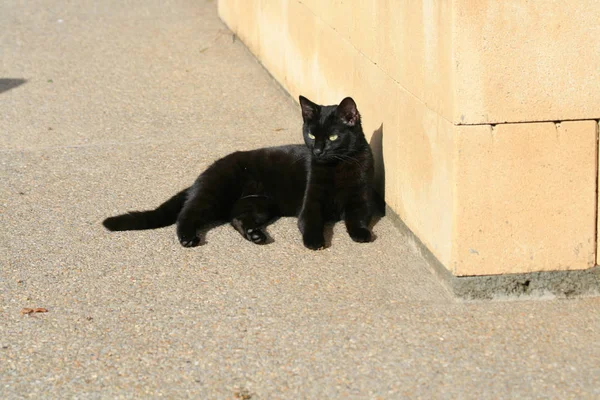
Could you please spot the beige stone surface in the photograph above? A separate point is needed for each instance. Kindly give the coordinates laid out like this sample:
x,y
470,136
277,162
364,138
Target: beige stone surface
x,y
409,41
241,17
291,40
526,198
526,61
417,156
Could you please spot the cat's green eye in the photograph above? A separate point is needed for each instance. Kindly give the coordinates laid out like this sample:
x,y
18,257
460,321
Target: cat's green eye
x,y
311,136
333,137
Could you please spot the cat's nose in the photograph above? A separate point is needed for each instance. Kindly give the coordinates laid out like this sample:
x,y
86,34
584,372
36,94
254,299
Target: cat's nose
x,y
317,151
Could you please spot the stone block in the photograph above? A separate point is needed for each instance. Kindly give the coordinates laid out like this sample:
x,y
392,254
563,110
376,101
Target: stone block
x,y
525,198
521,61
410,41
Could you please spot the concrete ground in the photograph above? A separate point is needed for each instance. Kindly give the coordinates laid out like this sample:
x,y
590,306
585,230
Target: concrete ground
x,y
122,104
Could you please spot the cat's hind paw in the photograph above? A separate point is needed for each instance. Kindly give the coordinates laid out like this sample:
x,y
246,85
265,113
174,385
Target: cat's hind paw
x,y
255,236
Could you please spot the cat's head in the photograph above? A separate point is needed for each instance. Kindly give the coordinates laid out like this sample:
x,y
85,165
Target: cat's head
x,y
331,132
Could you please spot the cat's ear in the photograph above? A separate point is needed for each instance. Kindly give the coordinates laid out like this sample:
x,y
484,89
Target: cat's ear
x,y
348,112
310,110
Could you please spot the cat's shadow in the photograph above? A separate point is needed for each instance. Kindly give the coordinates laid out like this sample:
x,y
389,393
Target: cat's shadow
x,y
203,233
379,177
379,173
327,231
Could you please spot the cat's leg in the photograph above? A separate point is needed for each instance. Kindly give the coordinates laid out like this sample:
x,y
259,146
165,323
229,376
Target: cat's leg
x,y
199,212
357,216
311,223
250,215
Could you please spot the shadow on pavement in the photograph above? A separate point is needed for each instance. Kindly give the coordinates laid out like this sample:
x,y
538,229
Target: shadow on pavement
x,y
6,84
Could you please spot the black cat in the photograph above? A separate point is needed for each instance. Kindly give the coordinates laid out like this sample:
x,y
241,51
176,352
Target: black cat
x,y
327,180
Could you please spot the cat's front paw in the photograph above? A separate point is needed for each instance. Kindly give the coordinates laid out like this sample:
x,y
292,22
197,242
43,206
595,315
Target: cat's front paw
x,y
314,242
361,235
189,241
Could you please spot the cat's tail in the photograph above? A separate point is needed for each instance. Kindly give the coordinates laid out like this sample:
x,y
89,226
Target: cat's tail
x,y
165,215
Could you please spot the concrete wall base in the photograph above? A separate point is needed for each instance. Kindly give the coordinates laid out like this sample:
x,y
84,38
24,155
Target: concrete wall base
x,y
533,285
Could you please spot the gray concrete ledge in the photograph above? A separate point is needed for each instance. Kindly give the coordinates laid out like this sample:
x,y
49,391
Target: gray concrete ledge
x,y
547,284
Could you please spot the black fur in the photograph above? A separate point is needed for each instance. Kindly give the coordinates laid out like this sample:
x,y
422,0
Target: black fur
x,y
327,179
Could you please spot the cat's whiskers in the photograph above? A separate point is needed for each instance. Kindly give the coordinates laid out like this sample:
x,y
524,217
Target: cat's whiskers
x,y
343,157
